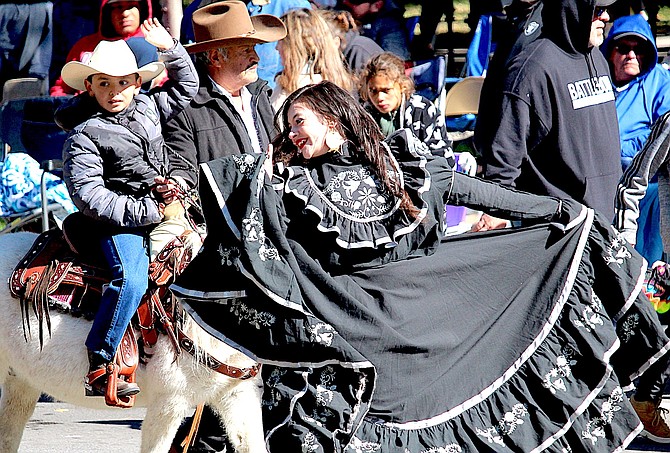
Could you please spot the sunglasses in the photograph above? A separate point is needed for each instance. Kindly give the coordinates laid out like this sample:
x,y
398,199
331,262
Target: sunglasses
x,y
624,49
599,12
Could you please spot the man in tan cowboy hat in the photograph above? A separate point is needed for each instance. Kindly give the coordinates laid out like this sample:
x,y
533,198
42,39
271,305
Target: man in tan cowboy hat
x,y
111,164
270,63
231,114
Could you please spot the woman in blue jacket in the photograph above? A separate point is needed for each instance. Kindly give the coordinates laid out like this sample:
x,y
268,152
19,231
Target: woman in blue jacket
x,y
642,96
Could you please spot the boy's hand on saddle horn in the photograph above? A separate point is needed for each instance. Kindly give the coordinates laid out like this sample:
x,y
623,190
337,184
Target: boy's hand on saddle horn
x,y
166,190
167,193
156,34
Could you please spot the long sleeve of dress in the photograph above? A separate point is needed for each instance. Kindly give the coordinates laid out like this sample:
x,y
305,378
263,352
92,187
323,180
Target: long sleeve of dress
x,y
463,190
500,201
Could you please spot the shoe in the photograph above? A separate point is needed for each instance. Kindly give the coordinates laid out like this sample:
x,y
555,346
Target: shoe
x,y
654,418
96,379
98,387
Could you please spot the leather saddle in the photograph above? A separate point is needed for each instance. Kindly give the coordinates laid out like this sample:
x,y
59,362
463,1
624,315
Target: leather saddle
x,y
53,274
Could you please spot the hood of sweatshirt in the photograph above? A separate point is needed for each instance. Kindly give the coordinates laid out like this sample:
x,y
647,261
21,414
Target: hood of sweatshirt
x,y
568,24
637,26
106,29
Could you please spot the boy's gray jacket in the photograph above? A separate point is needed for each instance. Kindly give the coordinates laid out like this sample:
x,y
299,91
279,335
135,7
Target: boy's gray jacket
x,y
111,160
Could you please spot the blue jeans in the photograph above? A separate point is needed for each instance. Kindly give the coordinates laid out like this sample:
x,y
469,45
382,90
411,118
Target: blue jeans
x,y
128,257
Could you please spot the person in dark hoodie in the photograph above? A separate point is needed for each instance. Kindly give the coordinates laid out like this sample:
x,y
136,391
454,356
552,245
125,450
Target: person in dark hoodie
x,y
119,19
558,136
523,25
642,97
558,128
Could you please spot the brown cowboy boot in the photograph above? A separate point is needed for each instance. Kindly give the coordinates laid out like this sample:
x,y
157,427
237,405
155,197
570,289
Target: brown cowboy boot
x,y
95,381
654,418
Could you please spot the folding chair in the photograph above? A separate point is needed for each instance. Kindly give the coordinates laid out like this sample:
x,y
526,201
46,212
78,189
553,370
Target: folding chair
x,y
28,126
429,79
463,97
480,49
461,107
22,88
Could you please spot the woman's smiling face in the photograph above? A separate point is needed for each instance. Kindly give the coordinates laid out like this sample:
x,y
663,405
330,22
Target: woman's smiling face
x,y
307,131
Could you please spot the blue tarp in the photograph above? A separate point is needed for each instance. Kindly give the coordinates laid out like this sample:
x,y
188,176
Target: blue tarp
x,y
20,186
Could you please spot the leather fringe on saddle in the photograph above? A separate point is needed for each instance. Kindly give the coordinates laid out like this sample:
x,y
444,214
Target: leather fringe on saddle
x,y
36,297
48,264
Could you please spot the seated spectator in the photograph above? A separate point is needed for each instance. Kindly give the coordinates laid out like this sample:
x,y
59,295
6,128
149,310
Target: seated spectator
x,y
383,22
389,97
310,54
119,19
25,40
357,49
640,86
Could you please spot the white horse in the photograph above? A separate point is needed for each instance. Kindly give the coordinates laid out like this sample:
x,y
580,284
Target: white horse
x,y
169,390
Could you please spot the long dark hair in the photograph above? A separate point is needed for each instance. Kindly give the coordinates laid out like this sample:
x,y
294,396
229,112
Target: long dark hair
x,y
331,103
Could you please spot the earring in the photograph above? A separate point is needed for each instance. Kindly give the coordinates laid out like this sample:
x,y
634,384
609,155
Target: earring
x,y
333,141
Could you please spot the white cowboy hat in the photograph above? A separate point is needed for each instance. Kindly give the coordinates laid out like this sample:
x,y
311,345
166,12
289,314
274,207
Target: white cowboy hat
x,y
113,58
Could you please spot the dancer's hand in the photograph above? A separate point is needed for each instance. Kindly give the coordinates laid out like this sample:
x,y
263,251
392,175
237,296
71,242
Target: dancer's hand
x,y
487,222
467,163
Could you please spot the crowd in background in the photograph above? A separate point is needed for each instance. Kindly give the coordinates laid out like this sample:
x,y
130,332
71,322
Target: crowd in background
x,y
335,75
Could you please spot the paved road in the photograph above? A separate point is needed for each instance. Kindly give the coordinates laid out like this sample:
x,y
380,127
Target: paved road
x,y
63,428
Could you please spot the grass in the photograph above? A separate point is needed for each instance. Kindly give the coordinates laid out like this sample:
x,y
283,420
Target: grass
x,y
664,20
462,9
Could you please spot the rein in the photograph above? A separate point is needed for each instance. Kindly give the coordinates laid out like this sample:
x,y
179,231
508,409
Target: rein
x,y
170,262
210,362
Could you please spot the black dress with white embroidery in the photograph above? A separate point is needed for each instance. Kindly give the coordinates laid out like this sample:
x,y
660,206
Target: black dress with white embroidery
x,y
378,335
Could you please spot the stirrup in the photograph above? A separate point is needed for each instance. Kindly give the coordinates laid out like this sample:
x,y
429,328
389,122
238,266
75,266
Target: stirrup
x,y
95,383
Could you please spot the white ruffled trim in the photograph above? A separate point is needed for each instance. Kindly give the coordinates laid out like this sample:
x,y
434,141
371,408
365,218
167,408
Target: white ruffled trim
x,y
386,239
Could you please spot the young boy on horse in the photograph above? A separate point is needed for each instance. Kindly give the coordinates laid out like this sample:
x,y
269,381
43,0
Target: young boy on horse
x,y
116,167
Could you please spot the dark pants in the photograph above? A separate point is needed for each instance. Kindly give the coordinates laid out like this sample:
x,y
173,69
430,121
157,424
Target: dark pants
x,y
25,40
211,436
